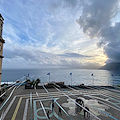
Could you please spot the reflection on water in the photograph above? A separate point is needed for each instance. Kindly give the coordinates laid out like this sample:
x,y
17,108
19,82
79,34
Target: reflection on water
x,y
92,104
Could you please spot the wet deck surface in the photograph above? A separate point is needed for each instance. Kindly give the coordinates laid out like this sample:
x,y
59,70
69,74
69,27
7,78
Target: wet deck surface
x,y
34,104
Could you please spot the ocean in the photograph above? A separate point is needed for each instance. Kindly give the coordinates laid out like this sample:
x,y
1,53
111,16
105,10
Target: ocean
x,y
77,76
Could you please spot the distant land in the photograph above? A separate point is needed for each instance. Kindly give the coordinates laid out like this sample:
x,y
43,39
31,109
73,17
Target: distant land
x,y
111,66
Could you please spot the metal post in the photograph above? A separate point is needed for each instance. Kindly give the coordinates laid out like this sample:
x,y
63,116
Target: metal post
x,y
71,78
49,78
92,79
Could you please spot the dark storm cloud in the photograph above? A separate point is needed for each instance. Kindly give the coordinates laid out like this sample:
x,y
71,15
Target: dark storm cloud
x,y
96,15
75,55
96,21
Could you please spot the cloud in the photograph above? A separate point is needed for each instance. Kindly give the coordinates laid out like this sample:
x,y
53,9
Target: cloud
x,y
74,55
96,15
30,54
97,21
78,64
39,33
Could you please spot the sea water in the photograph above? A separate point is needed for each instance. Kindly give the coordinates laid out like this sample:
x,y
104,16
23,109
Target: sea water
x,y
78,76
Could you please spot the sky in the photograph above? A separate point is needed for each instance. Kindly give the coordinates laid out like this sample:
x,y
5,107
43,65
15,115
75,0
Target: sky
x,y
60,33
